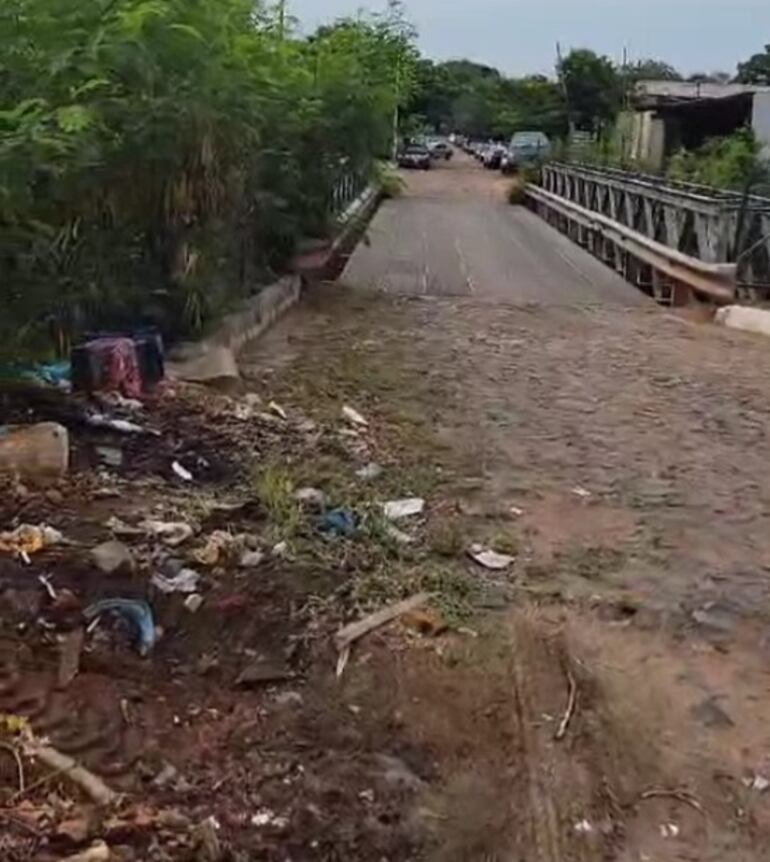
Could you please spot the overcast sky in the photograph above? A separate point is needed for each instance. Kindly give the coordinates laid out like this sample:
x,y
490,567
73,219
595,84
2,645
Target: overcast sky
x,y
519,36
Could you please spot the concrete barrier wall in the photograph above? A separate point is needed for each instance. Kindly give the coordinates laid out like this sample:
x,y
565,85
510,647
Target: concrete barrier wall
x,y
213,358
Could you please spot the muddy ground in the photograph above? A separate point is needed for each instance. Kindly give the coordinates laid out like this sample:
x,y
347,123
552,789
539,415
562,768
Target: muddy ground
x,y
604,698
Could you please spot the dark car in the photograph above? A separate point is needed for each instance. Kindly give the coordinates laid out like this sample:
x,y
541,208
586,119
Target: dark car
x,y
415,156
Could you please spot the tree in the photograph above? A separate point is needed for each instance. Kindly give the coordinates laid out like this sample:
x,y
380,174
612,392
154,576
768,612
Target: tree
x,y
652,70
593,88
756,70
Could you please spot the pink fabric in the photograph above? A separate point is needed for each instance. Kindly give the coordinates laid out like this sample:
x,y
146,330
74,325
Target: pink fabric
x,y
119,366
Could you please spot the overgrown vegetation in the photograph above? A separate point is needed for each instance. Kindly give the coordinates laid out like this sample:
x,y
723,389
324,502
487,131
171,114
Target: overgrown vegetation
x,y
158,158
730,163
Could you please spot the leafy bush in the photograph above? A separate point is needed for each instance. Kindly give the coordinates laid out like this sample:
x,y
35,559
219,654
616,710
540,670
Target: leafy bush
x,y
160,158
731,163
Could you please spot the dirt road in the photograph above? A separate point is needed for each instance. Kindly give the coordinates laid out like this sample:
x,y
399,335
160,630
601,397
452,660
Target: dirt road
x,y
454,234
619,454
604,697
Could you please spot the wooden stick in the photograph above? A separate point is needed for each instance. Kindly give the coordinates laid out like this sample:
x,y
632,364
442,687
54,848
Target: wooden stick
x,y
92,784
348,635
680,795
561,731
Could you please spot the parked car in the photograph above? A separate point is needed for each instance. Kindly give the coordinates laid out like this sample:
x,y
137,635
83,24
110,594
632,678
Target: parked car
x,y
493,157
441,150
526,149
415,156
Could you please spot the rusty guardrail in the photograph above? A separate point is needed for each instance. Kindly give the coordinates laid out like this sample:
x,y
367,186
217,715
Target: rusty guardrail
x,y
630,251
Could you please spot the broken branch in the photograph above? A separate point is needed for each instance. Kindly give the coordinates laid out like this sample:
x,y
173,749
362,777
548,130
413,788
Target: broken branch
x,y
6,746
92,784
561,731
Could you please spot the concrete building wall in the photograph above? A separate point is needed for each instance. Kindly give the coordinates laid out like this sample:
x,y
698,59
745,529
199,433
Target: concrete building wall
x,y
646,141
760,120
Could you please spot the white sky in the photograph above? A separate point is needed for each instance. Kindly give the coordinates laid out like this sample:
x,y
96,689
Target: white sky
x,y
519,36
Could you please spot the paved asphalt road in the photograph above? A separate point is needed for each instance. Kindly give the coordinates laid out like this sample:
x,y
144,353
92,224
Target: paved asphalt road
x,y
452,233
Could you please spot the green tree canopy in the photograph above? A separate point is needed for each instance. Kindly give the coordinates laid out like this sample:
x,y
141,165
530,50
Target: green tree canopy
x,y
593,87
756,70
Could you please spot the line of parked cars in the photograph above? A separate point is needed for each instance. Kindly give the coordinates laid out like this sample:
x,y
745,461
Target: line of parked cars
x,y
525,149
421,153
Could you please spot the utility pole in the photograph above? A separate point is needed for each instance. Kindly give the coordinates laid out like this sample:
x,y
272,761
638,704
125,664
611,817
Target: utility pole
x,y
282,20
396,109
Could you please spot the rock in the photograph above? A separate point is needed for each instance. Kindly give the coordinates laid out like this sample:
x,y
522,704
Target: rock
x,y
77,829
289,698
54,497
262,673
38,453
174,820
311,498
398,774
369,472
710,713
99,852
216,365
251,559
113,557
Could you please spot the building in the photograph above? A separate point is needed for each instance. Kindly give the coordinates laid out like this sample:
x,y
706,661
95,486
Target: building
x,y
666,116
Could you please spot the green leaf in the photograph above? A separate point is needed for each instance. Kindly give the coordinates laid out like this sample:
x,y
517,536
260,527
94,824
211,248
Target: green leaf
x,y
186,28
74,118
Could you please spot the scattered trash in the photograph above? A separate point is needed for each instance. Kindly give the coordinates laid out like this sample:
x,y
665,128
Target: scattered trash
x,y
398,535
171,533
427,622
370,471
28,539
115,399
137,612
397,509
110,456
348,635
36,452
113,557
56,374
490,559
313,498
516,511
182,472
367,796
185,581
583,827
266,817
581,492
45,582
99,420
339,522
262,672
669,830
193,602
281,549
121,528
758,783
354,417
278,410
251,559
70,648
219,545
